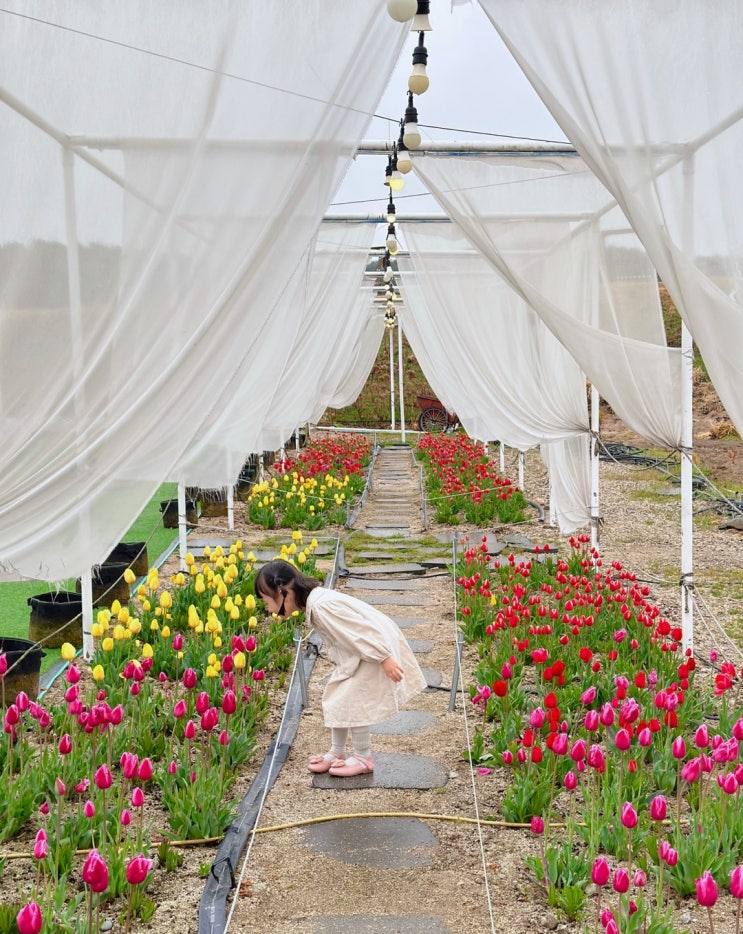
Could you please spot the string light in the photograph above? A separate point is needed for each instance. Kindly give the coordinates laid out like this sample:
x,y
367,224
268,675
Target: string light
x,y
391,243
402,10
391,212
421,22
418,81
411,135
404,161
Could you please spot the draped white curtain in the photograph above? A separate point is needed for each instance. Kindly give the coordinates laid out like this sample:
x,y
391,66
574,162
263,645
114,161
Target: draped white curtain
x,y
647,91
159,192
490,358
556,235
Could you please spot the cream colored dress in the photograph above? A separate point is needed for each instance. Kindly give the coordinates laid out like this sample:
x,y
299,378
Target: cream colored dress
x,y
358,638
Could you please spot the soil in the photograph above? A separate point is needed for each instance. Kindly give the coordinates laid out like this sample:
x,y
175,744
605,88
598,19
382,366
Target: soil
x,y
477,880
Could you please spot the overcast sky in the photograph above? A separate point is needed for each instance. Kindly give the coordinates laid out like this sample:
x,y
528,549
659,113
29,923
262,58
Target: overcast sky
x,y
475,86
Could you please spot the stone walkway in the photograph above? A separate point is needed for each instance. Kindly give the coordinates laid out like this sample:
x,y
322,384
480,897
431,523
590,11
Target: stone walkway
x,y
362,858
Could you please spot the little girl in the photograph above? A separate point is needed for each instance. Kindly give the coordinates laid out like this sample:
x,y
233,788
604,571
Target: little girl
x,y
376,671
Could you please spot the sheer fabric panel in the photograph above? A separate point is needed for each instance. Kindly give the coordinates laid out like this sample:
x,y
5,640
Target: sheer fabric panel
x,y
161,190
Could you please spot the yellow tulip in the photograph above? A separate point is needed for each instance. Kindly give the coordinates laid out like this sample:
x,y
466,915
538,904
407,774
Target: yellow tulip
x,y
154,625
119,632
199,586
239,660
153,579
189,558
96,631
135,627
146,606
68,651
222,590
212,672
103,616
98,673
249,602
166,600
115,608
165,632
216,603
235,613
129,576
301,557
252,622
107,644
239,599
179,580
141,591
251,557
216,642
159,611
147,650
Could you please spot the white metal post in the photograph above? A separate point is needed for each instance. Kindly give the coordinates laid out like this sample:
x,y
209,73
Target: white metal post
x,y
521,471
400,368
392,381
182,530
501,458
230,507
687,432
594,456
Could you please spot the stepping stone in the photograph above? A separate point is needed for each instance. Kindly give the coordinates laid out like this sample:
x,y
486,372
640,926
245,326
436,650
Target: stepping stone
x,y
520,541
370,583
420,646
197,545
433,678
403,599
436,562
391,770
405,723
377,924
387,531
377,555
406,622
390,546
357,569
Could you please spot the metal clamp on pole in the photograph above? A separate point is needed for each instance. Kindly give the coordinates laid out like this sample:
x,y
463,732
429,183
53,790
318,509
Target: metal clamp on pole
x,y
300,668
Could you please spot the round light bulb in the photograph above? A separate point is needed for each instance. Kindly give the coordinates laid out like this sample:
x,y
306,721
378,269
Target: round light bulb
x,y
402,10
404,161
412,136
396,179
388,274
392,246
418,81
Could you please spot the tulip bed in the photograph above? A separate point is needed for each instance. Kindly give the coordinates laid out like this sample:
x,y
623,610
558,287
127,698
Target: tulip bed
x,y
314,490
624,757
144,746
462,482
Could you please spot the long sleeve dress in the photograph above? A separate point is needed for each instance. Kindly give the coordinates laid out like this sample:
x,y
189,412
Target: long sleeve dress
x,y
358,638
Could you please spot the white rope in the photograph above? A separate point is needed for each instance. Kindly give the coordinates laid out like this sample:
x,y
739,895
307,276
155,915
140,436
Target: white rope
x,y
469,745
699,600
277,746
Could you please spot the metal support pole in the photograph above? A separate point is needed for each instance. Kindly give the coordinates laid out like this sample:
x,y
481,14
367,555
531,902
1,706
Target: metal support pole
x,y
501,458
687,433
521,471
230,507
300,668
594,457
456,671
392,381
400,369
182,530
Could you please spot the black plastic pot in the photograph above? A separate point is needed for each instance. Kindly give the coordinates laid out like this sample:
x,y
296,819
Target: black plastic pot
x,y
132,553
169,509
56,617
24,666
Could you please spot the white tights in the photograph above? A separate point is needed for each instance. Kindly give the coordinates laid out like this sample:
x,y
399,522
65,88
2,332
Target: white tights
x,y
360,740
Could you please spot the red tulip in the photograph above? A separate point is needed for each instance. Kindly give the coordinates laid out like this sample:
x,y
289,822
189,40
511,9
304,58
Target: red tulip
x,y
95,872
29,919
229,702
224,738
189,678
89,809
706,890
678,748
126,817
202,702
190,730
178,641
179,711
65,744
736,882
138,869
128,763
622,740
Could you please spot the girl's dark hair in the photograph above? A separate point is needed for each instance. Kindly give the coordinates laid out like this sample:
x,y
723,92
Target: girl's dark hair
x,y
278,575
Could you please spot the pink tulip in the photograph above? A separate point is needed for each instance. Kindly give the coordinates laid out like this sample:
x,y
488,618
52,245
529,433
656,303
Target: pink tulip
x,y
622,740
89,809
22,701
209,719
178,641
29,919
607,715
640,879
570,781
596,758
103,777
126,817
728,783
12,715
667,853
202,702
228,664
507,757
592,721
600,871
251,644
3,664
128,763
678,748
190,730
72,675
229,703
179,711
145,770
259,674
138,869
645,737
224,739
620,882
701,737
611,927
537,825
60,787
629,816
658,808
736,882
706,890
117,715
95,872
578,750
691,770
41,845
560,744
65,744
137,797
172,768
190,679
588,696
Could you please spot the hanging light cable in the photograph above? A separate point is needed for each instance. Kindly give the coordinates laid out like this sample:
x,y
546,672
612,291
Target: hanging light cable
x,y
391,243
418,81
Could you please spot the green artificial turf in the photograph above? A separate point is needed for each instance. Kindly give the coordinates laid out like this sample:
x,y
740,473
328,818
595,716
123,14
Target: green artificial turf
x,y
14,608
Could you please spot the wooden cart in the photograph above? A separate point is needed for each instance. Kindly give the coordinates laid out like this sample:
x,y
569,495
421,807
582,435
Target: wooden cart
x,y
434,416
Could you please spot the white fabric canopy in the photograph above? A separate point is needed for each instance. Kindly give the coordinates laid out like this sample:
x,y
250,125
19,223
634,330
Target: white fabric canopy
x,y
163,175
556,235
488,357
646,90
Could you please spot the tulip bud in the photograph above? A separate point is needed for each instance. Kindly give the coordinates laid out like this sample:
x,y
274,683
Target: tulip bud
x,y
72,675
537,825
29,919
60,787
95,872
678,748
629,816
126,817
622,740
736,882
103,777
600,871
145,770
570,781
189,679
658,808
65,744
202,702
137,797
706,890
640,879
224,738
138,869
89,810
190,730
41,845
620,882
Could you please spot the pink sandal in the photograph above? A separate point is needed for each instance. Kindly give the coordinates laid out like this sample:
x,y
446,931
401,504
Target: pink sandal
x,y
324,762
354,765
